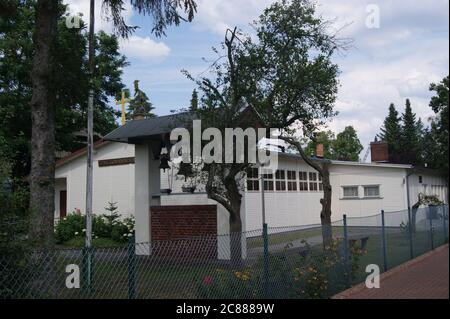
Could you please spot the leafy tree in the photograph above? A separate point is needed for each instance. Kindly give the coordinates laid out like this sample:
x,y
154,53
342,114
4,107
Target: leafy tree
x,y
139,104
409,141
287,77
346,146
17,49
44,81
391,132
326,138
437,150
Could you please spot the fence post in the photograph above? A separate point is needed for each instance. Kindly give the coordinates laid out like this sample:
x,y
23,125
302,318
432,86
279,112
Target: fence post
x,y
410,231
87,259
383,240
444,224
131,263
266,259
346,252
431,227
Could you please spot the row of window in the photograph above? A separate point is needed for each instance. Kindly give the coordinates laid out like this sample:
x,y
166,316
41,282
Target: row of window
x,y
284,180
369,191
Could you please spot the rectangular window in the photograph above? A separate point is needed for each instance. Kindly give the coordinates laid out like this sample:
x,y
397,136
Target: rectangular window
x,y
280,180
372,191
252,179
268,181
312,181
292,180
350,191
320,183
303,181
420,179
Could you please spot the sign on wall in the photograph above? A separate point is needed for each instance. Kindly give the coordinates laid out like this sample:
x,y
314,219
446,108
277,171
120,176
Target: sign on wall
x,y
116,161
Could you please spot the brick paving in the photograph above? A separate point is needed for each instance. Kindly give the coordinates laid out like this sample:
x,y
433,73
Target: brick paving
x,y
425,277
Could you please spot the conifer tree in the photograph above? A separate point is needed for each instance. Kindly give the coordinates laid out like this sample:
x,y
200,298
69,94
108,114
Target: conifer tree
x,y
410,151
140,104
194,100
391,132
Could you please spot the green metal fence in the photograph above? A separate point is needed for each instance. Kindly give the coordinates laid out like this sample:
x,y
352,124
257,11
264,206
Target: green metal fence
x,y
298,263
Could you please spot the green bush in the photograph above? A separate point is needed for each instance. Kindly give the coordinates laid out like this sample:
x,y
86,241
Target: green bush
x,y
69,227
103,226
123,230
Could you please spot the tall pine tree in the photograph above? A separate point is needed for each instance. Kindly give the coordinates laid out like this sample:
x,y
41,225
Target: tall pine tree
x,y
194,100
140,104
410,150
391,132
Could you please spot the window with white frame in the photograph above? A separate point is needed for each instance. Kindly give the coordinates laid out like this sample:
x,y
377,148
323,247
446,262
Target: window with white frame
x,y
268,181
372,191
280,180
320,183
350,191
312,181
292,180
252,179
303,181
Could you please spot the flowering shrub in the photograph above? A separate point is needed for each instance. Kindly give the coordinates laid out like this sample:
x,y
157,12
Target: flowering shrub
x,y
319,273
69,227
228,284
322,273
103,226
122,230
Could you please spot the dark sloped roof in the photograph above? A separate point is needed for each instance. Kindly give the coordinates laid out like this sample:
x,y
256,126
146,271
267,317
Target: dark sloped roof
x,y
138,130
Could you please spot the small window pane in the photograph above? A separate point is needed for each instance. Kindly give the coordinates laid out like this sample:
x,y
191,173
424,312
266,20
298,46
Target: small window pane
x,y
351,191
312,186
252,173
268,185
302,176
371,191
253,185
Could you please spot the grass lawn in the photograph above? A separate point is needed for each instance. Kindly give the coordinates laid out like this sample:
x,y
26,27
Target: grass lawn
x,y
289,237
79,242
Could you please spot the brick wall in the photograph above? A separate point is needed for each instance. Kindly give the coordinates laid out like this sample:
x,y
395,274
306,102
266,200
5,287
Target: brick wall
x,y
184,231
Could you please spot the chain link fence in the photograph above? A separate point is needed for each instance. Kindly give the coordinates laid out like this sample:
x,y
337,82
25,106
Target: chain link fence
x,y
287,262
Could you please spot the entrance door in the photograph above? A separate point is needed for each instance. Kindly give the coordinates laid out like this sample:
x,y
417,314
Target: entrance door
x,y
62,204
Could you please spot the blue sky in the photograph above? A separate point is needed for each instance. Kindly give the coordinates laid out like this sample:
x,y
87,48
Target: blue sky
x,y
398,60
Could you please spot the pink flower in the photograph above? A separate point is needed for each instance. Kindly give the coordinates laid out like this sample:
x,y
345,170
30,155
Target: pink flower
x,y
208,280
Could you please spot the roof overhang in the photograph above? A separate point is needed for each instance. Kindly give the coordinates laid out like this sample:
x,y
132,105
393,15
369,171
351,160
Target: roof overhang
x,y
150,130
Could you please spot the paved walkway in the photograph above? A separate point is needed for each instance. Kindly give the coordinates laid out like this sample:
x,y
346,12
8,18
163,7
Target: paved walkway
x,y
425,277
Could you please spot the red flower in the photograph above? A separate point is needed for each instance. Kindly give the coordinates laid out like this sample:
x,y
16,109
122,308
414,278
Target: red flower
x,y
208,280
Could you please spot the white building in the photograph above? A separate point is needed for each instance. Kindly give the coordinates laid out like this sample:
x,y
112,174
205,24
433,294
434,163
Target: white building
x,y
129,175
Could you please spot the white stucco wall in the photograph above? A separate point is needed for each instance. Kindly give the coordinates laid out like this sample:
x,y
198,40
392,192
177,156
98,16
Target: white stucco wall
x,y
111,183
283,208
297,208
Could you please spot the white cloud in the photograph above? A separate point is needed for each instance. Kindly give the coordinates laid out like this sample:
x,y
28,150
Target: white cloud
x,y
144,48
218,15
101,21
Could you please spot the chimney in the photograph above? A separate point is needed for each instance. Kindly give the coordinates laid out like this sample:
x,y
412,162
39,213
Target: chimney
x,y
379,152
319,150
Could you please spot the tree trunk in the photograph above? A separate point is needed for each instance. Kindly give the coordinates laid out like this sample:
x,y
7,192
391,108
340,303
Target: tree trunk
x,y
236,239
42,174
325,215
323,169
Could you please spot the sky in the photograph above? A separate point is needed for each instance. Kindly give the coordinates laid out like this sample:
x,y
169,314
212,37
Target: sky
x,y
399,48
